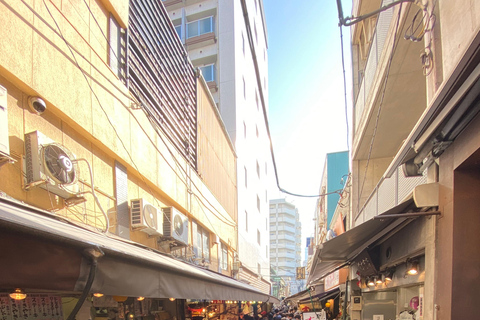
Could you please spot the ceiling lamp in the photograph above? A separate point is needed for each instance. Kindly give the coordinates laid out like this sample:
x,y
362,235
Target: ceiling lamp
x,y
98,294
18,294
141,298
412,267
171,299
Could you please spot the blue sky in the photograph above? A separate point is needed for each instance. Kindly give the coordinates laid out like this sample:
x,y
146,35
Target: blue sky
x,y
306,95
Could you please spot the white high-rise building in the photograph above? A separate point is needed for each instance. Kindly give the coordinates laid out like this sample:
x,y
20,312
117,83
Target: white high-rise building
x,y
285,242
227,41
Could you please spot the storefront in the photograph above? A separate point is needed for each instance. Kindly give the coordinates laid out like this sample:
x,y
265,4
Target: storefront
x,y
60,266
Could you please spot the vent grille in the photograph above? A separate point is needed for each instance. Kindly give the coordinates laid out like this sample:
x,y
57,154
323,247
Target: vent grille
x,y
136,212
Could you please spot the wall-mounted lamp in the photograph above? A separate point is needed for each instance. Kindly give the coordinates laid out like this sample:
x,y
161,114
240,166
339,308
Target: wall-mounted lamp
x,y
98,294
171,299
141,298
389,274
412,267
18,294
370,282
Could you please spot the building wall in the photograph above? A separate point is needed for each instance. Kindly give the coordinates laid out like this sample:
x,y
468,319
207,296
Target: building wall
x,y
103,124
337,171
238,99
285,241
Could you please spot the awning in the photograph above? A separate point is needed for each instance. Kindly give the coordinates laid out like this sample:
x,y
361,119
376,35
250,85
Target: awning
x,y
337,252
320,296
47,248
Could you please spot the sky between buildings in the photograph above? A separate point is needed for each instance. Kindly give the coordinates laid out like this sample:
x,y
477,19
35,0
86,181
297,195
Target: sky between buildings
x,y
306,95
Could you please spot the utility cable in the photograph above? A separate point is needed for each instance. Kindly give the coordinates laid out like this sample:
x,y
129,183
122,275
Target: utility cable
x,y
262,98
344,85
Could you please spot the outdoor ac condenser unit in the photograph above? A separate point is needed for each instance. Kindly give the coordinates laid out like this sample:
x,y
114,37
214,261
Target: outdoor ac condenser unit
x,y
175,225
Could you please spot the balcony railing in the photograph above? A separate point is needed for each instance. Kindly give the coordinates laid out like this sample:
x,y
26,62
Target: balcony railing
x,y
199,27
208,72
376,49
389,193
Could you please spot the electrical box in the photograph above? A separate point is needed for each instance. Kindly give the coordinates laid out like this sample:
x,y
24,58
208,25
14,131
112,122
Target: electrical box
x,y
4,144
356,303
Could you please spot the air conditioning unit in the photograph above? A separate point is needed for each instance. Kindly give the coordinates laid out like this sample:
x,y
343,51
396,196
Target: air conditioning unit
x,y
175,225
146,217
49,165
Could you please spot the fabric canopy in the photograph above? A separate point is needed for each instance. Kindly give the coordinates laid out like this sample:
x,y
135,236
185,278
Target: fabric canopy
x,y
337,252
126,269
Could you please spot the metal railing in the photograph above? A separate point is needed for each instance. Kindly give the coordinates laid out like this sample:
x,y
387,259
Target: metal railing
x,y
375,52
389,193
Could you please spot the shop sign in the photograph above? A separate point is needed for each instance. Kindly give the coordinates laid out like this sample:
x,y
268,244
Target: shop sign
x,y
335,278
33,307
320,315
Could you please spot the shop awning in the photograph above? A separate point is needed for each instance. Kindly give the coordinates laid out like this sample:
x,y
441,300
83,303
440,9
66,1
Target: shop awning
x,y
319,296
41,246
339,251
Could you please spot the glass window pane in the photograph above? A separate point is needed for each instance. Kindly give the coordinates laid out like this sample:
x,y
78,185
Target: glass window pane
x,y
192,29
206,248
205,25
208,73
179,31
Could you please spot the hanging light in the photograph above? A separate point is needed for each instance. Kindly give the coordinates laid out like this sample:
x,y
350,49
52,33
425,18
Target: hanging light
x,y
171,299
18,294
389,274
141,298
370,282
378,280
98,294
412,267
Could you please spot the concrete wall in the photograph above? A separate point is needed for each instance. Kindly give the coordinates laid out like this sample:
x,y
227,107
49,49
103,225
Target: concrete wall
x,y
102,124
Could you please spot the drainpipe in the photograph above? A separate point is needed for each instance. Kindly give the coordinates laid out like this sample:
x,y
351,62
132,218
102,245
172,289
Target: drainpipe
x,y
92,254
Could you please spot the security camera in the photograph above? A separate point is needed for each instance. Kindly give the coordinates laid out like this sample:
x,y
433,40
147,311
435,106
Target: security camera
x,y
37,105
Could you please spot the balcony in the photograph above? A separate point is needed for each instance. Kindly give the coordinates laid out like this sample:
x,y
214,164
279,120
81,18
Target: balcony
x,y
404,98
387,194
200,33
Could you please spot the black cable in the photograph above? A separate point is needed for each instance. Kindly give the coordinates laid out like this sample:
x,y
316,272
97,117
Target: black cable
x,y
344,85
264,109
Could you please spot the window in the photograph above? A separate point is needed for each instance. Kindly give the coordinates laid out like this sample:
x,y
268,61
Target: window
x,y
199,27
258,203
203,243
116,42
256,129
258,170
258,236
178,29
244,130
259,267
208,72
224,263
243,44
246,221
244,88
245,177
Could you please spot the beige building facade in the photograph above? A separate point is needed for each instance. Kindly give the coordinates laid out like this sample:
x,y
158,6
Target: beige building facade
x,y
134,159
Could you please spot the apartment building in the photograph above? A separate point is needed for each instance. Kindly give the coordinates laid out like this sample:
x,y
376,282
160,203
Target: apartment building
x,y
227,42
116,176
285,244
412,226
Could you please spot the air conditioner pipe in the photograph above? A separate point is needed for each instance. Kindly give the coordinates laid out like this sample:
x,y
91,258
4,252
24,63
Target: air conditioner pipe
x,y
107,222
93,254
